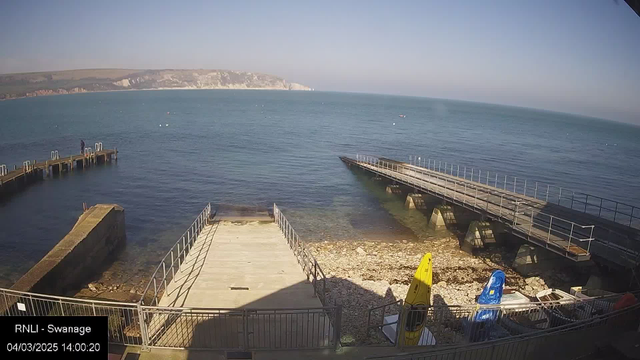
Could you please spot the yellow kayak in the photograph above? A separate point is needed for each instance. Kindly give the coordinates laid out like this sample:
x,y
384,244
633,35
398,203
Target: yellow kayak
x,y
419,298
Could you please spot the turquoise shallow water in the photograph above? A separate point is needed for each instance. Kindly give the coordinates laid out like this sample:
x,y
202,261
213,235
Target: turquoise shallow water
x,y
259,147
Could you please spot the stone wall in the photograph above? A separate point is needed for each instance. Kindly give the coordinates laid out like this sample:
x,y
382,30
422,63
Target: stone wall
x,y
98,233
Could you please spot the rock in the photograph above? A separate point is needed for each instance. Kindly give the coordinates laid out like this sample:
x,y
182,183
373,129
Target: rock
x,y
359,283
133,290
92,287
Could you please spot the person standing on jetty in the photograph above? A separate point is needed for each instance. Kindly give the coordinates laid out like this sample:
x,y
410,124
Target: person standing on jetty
x,y
81,147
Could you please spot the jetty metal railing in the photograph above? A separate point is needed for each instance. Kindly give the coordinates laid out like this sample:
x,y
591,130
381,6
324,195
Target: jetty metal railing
x,y
562,236
247,329
308,262
608,209
568,341
171,262
123,319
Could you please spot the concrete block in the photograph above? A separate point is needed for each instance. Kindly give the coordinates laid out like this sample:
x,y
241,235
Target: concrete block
x,y
532,260
98,233
394,189
415,201
441,217
478,235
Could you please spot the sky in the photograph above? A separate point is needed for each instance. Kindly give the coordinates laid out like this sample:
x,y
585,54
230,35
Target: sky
x,y
576,56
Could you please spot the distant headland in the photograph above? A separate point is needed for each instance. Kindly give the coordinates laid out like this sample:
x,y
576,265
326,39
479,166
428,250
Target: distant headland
x,y
13,86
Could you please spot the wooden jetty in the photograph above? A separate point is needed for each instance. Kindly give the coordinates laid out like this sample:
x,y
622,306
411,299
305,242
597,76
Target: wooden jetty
x,y
30,172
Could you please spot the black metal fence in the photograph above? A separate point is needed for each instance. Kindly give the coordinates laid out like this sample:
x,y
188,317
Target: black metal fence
x,y
247,329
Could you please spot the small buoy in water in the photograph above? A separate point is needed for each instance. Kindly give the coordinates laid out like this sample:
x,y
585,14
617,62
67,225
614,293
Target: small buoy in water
x,y
394,124
160,125
166,125
167,113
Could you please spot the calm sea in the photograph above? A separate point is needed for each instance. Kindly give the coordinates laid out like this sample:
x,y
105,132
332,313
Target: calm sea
x,y
260,147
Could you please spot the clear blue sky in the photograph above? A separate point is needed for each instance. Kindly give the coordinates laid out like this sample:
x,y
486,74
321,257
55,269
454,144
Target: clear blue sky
x,y
579,56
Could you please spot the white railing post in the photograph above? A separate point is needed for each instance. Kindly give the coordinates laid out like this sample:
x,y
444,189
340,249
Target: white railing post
x,y
600,211
586,202
531,225
179,256
547,197
143,328
559,196
173,272
571,233
164,275
475,198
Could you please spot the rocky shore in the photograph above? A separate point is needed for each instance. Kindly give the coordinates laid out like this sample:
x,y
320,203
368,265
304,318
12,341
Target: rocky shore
x,y
363,274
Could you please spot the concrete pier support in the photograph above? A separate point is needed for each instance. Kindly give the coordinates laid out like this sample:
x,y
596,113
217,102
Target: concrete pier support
x,y
441,217
415,201
394,189
532,260
480,233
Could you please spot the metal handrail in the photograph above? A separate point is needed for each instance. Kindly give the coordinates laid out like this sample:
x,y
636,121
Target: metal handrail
x,y
507,211
205,309
137,325
308,262
65,298
187,240
534,190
